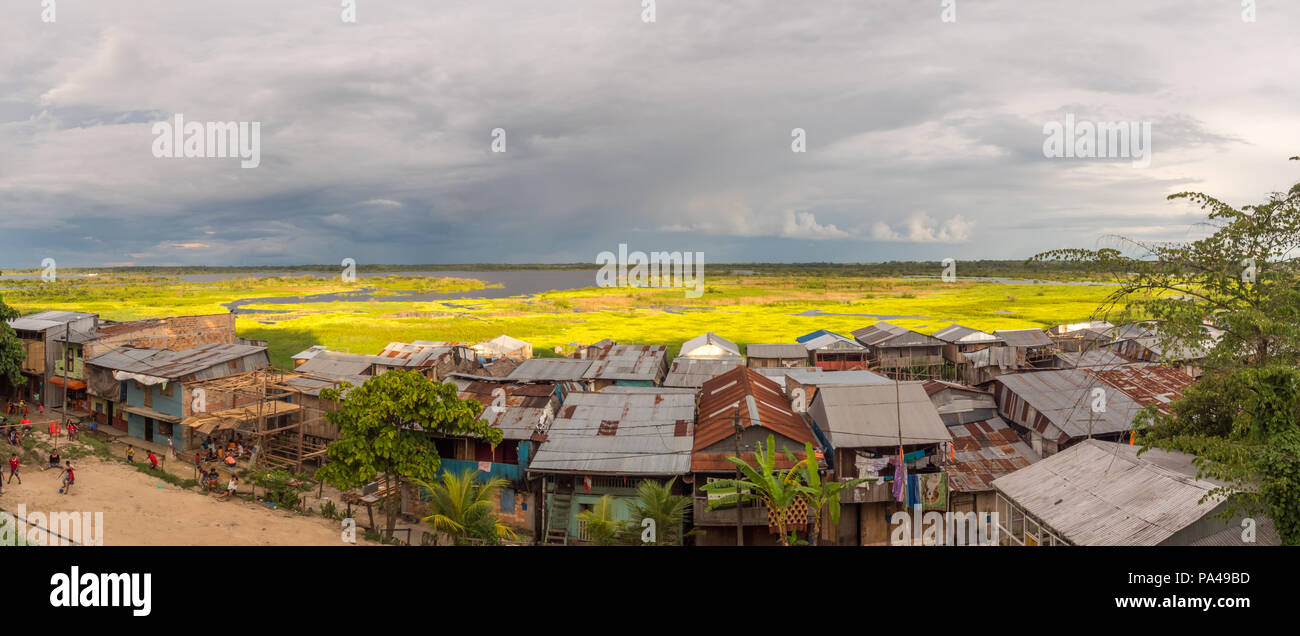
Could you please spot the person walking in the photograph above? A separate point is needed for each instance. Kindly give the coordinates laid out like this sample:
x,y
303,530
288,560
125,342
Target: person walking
x,y
130,453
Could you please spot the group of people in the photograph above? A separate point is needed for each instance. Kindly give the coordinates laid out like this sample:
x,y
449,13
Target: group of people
x,y
229,454
21,407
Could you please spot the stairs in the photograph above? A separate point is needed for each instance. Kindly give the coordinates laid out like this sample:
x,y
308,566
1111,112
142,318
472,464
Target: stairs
x,y
557,530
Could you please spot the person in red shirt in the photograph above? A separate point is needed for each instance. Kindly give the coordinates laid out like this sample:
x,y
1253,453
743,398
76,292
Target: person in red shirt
x,y
67,481
13,470
153,461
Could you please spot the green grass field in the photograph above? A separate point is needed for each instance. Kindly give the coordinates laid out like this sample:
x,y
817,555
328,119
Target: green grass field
x,y
745,309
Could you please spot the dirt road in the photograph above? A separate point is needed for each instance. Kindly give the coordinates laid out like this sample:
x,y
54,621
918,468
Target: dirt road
x,y
139,512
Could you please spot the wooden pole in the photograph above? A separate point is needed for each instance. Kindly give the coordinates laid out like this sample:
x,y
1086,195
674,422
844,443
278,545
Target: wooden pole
x,y
740,523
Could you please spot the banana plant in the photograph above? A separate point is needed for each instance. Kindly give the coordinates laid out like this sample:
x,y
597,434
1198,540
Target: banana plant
x,y
822,494
777,488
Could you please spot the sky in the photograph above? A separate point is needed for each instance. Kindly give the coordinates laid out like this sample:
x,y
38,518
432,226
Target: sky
x,y
922,135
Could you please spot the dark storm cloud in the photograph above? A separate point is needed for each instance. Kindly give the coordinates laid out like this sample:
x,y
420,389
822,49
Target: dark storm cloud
x,y
924,139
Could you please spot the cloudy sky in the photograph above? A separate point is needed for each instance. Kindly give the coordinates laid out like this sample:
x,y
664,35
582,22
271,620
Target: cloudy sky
x,y
924,138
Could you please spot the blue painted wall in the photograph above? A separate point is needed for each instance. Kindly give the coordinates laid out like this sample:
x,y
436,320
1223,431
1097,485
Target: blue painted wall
x,y
162,404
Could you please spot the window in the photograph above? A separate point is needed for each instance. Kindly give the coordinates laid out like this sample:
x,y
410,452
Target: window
x,y
507,500
166,389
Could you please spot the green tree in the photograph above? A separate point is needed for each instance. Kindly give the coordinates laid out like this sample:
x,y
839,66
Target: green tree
x,y
656,501
461,506
11,348
602,527
776,488
385,426
1242,417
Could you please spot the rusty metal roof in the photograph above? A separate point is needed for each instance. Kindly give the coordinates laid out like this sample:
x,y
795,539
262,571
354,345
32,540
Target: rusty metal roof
x,y
756,399
1065,396
984,451
628,362
526,408
620,433
178,364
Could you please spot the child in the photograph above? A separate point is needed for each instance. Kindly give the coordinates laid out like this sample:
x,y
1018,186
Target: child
x,y
231,487
67,481
54,459
153,461
13,470
130,453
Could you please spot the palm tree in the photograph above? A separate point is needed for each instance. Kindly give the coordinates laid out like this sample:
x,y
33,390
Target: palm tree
x,y
459,503
777,488
656,501
822,494
602,528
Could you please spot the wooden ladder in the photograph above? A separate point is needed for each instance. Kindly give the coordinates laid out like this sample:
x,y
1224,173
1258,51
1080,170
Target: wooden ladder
x,y
557,532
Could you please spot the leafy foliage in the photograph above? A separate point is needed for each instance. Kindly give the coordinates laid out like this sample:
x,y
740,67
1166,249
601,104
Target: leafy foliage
x,y
775,487
11,348
1241,419
461,506
282,487
602,527
385,426
656,501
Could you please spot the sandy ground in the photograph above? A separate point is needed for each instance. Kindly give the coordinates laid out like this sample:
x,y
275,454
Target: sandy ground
x,y
139,512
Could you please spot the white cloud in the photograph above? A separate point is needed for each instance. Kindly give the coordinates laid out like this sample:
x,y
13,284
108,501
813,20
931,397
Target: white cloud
x,y
804,225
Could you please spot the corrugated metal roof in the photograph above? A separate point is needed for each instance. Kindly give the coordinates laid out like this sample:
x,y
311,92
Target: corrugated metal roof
x,y
777,351
332,364
960,334
815,334
40,321
418,354
1065,397
756,399
1023,337
866,415
550,370
501,345
694,372
832,342
628,362
1092,328
309,352
1102,493
884,334
178,364
620,433
817,377
527,409
984,451
709,346
1090,358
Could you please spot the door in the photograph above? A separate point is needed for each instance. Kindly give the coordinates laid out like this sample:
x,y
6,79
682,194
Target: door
x,y
148,429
